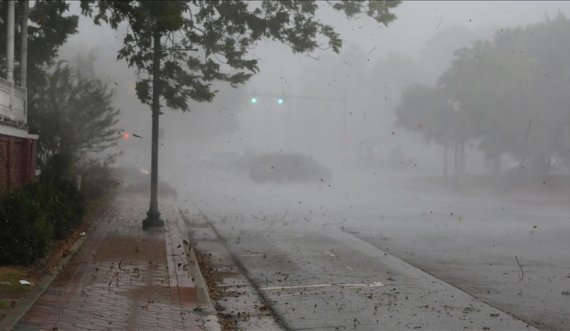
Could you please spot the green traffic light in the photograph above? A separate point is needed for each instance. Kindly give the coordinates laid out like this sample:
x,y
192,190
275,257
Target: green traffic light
x,y
280,101
253,100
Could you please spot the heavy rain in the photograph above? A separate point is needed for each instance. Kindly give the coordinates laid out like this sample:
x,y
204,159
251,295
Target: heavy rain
x,y
415,177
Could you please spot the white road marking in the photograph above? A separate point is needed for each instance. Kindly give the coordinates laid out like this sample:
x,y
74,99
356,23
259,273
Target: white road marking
x,y
282,254
292,287
233,285
305,293
258,254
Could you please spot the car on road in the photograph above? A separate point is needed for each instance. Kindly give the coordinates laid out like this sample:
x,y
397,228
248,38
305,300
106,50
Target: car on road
x,y
288,167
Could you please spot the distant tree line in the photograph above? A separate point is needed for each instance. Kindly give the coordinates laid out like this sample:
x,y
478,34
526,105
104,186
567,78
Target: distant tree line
x,y
507,96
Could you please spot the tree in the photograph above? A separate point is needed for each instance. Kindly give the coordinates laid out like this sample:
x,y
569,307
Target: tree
x,y
206,41
510,94
429,111
49,29
76,116
513,92
424,109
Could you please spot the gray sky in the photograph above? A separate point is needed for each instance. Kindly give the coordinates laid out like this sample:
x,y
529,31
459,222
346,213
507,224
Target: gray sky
x,y
417,22
281,71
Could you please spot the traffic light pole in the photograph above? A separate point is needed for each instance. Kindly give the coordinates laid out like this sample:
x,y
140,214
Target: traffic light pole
x,y
343,100
153,219
282,97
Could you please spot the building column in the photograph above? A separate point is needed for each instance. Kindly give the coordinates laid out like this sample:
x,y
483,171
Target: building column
x,y
10,42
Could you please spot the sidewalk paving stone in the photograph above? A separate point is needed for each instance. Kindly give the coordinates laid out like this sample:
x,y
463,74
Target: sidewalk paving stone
x,y
123,278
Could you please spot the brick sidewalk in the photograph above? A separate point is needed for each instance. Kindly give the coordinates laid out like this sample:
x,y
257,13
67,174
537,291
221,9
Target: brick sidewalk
x,y
123,279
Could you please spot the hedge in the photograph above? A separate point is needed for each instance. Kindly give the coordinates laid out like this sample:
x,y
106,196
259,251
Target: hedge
x,y
33,216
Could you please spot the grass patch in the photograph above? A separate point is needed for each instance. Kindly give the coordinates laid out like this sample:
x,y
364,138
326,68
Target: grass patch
x,y
10,278
6,304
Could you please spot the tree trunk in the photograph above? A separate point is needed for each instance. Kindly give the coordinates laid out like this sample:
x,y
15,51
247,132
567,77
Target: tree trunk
x,y
462,156
455,162
24,50
445,170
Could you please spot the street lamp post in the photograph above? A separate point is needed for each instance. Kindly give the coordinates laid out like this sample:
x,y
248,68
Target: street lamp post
x,y
153,219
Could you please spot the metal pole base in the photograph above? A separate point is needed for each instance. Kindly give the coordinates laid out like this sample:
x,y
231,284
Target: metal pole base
x,y
152,220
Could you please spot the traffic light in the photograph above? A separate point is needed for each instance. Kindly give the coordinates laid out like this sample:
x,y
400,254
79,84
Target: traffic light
x,y
126,135
255,100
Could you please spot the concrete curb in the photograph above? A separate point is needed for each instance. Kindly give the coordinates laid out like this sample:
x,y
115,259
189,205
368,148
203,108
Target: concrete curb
x,y
203,297
206,240
276,317
425,277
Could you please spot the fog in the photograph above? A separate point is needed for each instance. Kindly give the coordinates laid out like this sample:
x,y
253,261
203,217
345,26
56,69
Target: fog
x,y
351,116
335,152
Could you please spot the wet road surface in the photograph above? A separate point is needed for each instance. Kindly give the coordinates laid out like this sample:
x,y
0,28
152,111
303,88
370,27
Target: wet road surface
x,y
326,279
347,259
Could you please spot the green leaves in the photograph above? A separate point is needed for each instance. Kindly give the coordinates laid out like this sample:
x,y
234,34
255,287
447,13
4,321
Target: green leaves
x,y
510,92
334,39
378,9
143,90
75,116
429,111
49,30
207,41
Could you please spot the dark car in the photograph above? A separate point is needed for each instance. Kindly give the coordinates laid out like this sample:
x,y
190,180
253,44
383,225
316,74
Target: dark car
x,y
137,180
287,167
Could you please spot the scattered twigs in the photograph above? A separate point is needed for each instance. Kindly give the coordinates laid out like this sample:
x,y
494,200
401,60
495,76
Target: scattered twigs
x,y
520,266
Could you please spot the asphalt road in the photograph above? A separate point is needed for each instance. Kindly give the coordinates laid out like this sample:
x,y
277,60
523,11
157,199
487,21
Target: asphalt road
x,y
398,255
